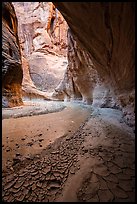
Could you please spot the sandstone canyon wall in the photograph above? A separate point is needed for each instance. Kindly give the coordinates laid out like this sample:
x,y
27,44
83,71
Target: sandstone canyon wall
x,y
12,73
80,78
42,34
101,43
107,31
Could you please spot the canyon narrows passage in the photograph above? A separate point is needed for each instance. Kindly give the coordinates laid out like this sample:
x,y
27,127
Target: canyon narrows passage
x,y
68,113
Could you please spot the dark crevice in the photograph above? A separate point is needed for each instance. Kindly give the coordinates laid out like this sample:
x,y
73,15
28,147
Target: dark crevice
x,y
107,20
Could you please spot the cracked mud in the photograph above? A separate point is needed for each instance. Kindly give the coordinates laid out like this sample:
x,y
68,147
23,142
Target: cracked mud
x,y
94,163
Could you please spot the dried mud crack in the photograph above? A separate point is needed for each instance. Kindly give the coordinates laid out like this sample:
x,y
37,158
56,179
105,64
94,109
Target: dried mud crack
x,y
94,164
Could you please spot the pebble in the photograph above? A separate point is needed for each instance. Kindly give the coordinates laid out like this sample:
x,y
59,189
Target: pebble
x,y
40,140
8,150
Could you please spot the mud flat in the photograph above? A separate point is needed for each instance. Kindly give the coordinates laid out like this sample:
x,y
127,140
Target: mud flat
x,y
78,154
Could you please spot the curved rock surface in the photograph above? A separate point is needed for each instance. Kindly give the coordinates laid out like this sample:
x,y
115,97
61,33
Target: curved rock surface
x,y
12,73
80,77
41,27
107,32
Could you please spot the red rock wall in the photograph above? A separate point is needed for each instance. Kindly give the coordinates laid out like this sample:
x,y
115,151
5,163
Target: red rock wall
x,y
42,34
12,73
107,31
41,27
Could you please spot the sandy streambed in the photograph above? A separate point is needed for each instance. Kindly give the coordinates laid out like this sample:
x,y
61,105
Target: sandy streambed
x,y
29,135
78,154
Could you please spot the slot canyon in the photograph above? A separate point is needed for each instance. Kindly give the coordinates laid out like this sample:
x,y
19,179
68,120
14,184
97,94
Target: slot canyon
x,y
68,101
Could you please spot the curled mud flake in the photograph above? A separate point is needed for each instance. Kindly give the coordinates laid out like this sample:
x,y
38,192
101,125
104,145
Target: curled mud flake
x,y
115,169
18,184
101,170
119,193
9,184
14,190
39,184
125,185
21,197
105,196
34,186
11,198
111,177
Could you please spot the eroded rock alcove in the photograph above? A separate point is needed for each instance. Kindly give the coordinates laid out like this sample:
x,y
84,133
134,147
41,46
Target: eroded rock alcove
x,y
68,85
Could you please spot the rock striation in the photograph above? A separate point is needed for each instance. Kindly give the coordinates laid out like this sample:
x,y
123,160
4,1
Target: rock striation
x,y
80,77
42,35
107,32
12,73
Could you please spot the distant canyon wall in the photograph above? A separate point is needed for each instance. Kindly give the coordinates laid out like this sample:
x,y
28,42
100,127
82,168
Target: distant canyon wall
x,y
43,38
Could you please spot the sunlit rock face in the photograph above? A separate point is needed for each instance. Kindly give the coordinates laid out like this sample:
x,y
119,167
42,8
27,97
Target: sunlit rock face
x,y
28,87
41,27
11,58
107,32
43,38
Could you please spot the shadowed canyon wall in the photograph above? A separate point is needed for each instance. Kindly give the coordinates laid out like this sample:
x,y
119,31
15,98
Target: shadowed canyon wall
x,y
80,77
107,32
12,73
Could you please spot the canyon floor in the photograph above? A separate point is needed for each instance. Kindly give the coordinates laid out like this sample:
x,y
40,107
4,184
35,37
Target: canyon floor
x,y
67,152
